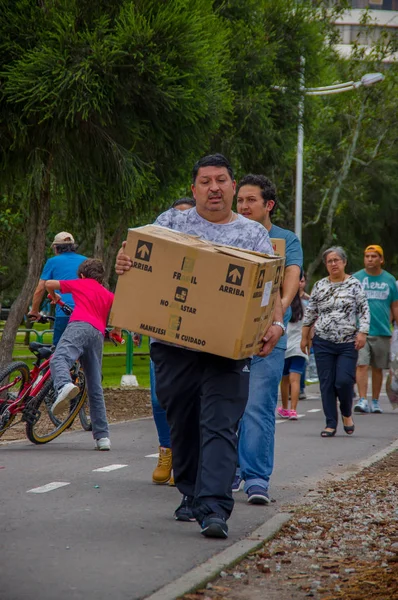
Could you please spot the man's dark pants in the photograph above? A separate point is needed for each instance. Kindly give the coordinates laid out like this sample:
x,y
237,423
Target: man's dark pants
x,y
336,364
204,397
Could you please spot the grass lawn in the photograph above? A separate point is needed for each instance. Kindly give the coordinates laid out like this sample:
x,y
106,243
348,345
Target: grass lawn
x,y
113,366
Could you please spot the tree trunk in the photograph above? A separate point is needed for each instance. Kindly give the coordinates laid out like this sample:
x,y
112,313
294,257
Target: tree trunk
x,y
28,327
349,157
38,219
113,248
99,242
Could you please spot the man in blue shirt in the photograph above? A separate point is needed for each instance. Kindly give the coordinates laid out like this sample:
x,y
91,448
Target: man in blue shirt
x,y
256,200
62,266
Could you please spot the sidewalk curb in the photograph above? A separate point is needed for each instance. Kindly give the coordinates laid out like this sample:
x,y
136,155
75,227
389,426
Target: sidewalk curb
x,y
199,576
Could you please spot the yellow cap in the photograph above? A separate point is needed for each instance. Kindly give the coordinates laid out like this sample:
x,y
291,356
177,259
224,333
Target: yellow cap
x,y
375,248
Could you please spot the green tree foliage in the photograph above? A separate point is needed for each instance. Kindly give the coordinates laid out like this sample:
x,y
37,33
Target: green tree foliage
x,y
103,102
268,39
365,210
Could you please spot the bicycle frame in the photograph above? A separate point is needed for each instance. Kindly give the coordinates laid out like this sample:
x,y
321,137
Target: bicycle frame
x,y
30,389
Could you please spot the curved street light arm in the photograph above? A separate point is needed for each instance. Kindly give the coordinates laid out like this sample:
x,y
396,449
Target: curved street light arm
x,y
329,87
328,92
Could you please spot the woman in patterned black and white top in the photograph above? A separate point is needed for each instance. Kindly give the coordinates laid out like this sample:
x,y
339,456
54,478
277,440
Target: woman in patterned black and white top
x,y
339,309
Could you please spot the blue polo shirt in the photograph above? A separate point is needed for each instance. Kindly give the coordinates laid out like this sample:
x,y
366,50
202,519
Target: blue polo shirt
x,y
293,256
59,267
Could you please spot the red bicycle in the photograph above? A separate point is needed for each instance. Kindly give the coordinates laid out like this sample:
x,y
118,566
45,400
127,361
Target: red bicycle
x,y
27,395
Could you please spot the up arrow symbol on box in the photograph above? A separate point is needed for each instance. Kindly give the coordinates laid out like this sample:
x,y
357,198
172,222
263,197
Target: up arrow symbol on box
x,y
235,274
144,252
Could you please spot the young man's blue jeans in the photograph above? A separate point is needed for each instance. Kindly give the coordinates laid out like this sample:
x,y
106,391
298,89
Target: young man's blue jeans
x,y
257,427
159,414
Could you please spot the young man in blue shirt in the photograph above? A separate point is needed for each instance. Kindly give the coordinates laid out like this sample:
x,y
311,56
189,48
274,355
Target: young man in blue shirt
x,y
62,266
256,200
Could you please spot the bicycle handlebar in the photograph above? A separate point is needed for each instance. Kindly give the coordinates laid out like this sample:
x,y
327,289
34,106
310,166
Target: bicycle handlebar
x,y
46,318
65,307
114,338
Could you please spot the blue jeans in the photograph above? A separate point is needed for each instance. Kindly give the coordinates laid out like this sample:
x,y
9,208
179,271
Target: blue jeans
x,y
159,414
82,341
60,324
257,427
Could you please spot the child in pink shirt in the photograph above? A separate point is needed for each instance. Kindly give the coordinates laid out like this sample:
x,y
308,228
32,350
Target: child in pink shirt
x,y
83,340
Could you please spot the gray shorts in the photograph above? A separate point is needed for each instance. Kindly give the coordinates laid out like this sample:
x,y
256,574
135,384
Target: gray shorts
x,y
376,352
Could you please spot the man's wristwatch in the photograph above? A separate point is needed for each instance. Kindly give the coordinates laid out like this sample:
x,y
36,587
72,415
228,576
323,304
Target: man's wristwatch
x,y
281,325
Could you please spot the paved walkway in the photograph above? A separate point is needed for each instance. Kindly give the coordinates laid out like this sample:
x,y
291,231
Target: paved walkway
x,y
77,524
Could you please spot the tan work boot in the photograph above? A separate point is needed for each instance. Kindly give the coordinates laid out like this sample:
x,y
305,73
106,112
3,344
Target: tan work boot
x,y
162,472
171,480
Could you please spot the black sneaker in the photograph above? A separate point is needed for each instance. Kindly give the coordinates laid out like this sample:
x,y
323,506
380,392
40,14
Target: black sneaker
x,y
184,511
214,525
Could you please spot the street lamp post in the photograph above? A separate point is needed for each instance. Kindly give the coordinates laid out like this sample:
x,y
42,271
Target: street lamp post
x,y
366,80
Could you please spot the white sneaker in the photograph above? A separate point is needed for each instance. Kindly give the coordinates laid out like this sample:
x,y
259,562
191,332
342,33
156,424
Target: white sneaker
x,y
67,392
103,444
362,406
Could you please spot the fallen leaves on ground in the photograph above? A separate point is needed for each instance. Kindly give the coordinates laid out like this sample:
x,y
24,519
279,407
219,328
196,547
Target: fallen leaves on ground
x,y
344,545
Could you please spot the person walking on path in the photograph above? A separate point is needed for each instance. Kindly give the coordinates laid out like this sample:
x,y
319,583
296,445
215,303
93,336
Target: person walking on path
x,y
63,265
204,395
295,361
256,200
382,294
83,340
340,312
163,472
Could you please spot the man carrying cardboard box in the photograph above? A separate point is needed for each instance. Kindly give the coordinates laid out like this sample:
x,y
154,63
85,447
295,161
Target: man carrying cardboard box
x,y
204,395
256,200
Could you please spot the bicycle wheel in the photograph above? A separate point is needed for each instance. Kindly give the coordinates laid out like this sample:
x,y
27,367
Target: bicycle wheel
x,y
12,380
45,427
84,416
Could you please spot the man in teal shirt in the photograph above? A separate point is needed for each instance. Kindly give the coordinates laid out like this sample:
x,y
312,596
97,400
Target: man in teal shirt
x,y
382,294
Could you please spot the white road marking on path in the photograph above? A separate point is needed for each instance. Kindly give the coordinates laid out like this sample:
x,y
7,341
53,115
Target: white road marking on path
x,y
48,487
108,468
152,455
314,410
281,420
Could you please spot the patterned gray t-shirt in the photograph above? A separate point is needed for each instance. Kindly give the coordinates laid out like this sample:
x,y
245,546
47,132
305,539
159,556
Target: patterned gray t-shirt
x,y
241,233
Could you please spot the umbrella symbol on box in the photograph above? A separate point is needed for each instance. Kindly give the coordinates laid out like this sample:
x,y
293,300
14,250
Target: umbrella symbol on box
x,y
260,280
144,250
235,274
175,323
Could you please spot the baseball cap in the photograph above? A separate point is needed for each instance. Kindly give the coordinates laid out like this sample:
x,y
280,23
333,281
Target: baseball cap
x,y
63,238
375,248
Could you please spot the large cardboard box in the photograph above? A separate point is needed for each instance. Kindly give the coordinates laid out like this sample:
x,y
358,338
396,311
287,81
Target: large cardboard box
x,y
279,246
199,295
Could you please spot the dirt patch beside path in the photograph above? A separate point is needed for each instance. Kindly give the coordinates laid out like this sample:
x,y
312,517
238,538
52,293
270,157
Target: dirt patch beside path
x,y
342,546
123,405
